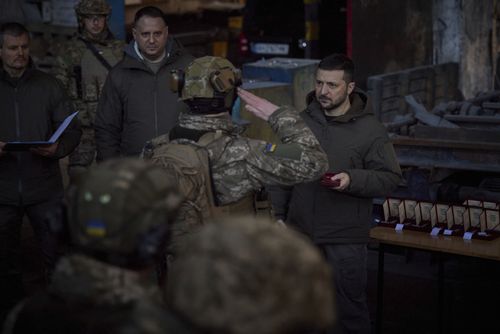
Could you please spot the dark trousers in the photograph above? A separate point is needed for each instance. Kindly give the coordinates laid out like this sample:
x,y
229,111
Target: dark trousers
x,y
350,280
41,216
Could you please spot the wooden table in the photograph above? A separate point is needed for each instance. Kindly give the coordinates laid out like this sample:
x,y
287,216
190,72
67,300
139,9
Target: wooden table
x,y
437,244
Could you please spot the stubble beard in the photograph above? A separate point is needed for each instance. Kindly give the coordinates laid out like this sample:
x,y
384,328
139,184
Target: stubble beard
x,y
333,104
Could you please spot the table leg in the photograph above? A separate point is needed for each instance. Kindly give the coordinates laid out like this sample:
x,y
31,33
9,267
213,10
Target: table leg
x,y
380,289
440,310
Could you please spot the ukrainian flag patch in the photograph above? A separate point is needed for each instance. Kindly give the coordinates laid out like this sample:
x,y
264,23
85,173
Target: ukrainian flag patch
x,y
96,228
270,148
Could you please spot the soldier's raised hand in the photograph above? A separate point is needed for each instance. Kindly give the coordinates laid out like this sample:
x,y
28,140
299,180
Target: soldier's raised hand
x,y
258,106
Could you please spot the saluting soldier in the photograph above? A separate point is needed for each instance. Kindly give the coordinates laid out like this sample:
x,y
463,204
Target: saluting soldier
x,y
237,166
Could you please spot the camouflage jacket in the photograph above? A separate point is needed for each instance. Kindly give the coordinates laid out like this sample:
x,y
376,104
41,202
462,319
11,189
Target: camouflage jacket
x,y
240,165
88,296
83,76
80,278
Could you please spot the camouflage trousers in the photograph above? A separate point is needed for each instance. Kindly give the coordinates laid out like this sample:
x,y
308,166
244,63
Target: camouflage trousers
x,y
84,155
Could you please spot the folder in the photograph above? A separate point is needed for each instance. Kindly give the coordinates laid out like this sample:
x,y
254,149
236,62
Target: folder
x,y
26,145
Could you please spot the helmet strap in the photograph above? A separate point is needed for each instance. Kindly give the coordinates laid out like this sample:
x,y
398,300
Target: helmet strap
x,y
104,35
207,105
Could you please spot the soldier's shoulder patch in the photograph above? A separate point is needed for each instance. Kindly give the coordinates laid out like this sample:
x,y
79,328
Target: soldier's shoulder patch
x,y
270,148
96,228
288,151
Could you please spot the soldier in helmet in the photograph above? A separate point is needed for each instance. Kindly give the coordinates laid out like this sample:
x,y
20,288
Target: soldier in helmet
x,y
118,219
237,166
247,275
82,65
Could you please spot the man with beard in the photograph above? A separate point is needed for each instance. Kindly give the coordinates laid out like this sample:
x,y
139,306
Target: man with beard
x,y
82,66
336,211
34,104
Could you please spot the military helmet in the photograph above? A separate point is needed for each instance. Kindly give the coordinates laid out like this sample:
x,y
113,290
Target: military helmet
x,y
205,77
246,275
120,211
92,7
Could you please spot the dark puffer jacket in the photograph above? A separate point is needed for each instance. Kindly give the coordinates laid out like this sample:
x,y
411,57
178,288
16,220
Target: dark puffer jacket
x,y
136,104
32,108
356,143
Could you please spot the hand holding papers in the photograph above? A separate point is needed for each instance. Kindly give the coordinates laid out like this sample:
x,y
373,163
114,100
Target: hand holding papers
x,y
26,145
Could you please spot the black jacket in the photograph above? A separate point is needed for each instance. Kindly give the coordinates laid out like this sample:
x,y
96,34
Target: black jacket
x,y
136,104
32,108
356,143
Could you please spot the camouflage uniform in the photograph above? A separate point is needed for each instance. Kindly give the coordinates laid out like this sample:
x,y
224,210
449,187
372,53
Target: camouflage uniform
x,y
118,220
82,292
238,165
245,276
84,75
